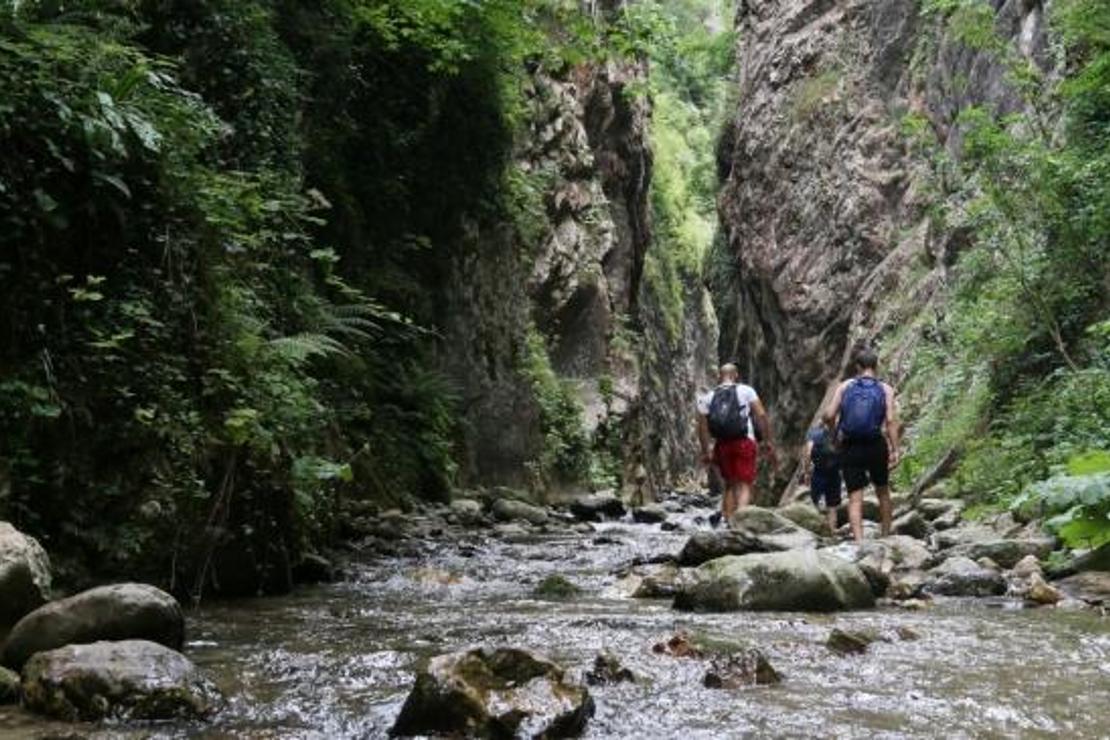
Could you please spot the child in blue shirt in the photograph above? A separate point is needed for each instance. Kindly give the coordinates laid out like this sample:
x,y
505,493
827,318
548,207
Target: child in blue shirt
x,y
822,469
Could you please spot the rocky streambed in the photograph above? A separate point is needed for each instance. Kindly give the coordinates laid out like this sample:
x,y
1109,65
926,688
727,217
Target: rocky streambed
x,y
339,660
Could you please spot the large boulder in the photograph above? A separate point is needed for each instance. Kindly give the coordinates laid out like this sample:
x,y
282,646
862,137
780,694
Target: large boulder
x,y
1092,586
494,693
704,546
650,514
508,510
597,506
126,611
24,575
912,524
962,576
806,516
882,560
9,687
798,580
932,508
467,511
774,531
133,679
1006,552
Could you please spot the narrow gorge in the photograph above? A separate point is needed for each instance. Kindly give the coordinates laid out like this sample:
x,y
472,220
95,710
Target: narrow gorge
x,y
350,350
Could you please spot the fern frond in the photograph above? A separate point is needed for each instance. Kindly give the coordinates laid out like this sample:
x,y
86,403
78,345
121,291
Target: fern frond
x,y
298,348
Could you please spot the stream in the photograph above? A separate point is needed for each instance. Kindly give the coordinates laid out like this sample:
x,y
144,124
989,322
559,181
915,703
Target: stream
x,y
337,660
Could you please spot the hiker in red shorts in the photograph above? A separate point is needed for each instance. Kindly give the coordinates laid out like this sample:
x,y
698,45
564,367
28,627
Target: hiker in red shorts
x,y
730,414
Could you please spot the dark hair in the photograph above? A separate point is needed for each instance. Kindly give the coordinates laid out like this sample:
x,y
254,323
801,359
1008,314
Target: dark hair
x,y
867,359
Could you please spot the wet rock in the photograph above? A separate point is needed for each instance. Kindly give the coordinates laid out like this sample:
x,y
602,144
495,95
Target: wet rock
x,y
947,520
597,506
800,580
747,668
967,533
314,568
435,577
806,516
467,511
132,679
870,531
705,546
1097,559
1026,568
663,582
1005,552
679,646
989,564
608,670
906,586
1092,587
556,587
774,532
932,508
1041,592
497,693
24,575
962,576
907,634
583,528
849,642
509,510
650,514
882,560
669,526
912,524
127,611
9,687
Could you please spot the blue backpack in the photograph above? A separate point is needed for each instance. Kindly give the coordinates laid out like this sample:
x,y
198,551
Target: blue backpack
x,y
863,410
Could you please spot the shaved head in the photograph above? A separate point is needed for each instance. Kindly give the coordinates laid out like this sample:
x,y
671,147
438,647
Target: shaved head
x,y
728,373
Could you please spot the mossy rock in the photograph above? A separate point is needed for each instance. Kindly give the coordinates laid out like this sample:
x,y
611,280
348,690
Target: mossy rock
x,y
556,587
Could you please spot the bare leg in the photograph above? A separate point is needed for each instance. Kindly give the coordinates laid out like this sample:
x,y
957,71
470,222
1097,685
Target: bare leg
x,y
728,503
855,513
886,509
744,494
830,517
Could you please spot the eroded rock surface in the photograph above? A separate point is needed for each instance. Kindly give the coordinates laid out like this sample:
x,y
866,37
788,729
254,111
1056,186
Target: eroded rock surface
x,y
799,580
24,575
126,611
495,693
131,679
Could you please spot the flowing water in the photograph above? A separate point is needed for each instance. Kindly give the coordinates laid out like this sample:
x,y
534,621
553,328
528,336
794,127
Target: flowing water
x,y
336,661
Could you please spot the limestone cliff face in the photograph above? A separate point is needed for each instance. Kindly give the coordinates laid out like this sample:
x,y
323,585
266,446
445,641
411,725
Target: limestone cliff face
x,y
823,205
573,272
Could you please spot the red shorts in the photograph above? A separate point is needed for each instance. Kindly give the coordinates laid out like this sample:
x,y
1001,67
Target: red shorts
x,y
736,459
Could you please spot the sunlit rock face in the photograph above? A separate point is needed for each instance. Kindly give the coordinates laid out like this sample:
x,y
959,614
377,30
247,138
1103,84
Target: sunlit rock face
x,y
824,201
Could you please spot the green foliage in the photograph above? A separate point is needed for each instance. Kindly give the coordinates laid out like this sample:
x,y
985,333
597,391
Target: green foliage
x,y
566,455
1077,500
689,89
1016,374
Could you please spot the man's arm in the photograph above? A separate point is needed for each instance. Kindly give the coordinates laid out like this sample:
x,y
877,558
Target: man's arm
x,y
832,410
893,426
807,460
763,423
703,436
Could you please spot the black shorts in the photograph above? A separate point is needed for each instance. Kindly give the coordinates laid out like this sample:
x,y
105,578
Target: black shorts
x,y
825,486
865,462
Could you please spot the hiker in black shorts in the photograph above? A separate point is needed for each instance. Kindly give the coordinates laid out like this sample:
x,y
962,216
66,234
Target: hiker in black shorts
x,y
865,416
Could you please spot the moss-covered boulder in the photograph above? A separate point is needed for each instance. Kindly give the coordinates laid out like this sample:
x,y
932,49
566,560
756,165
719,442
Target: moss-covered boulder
x,y
798,580
9,687
494,693
508,510
556,588
24,575
806,516
962,576
132,679
1006,552
126,611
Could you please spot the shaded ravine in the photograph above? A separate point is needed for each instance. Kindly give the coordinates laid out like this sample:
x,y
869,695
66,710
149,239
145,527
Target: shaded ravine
x,y
336,661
